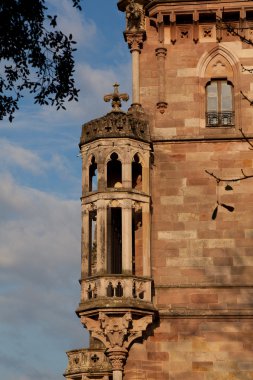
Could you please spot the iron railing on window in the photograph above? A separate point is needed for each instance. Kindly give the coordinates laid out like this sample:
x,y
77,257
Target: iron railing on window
x,y
220,119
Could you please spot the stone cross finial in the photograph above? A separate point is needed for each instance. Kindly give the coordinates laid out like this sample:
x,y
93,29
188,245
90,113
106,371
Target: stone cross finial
x,y
116,98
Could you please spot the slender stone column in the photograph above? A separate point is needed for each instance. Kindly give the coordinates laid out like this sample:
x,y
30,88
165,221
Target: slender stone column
x,y
127,237
101,236
117,375
135,42
135,76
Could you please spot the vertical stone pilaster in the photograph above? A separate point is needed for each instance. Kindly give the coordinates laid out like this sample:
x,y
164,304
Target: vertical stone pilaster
x,y
161,53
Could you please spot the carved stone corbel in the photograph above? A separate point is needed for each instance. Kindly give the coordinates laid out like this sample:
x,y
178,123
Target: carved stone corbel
x,y
116,333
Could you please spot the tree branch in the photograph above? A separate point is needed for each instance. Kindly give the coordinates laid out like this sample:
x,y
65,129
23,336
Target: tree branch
x,y
219,179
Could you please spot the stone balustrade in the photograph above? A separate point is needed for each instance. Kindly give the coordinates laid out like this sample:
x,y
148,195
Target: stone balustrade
x,y
116,287
87,361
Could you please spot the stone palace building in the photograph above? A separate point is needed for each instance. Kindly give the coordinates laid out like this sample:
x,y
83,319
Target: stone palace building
x,y
167,206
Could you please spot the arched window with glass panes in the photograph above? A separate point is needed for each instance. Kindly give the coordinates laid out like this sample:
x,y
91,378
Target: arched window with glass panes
x,y
219,103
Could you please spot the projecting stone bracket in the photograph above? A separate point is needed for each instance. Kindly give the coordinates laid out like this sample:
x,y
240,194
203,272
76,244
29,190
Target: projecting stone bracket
x,y
117,334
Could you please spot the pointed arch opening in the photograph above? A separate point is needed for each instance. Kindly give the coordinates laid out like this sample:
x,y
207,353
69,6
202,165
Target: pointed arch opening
x,y
93,175
136,173
114,171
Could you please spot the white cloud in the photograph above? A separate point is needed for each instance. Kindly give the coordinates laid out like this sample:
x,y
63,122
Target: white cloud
x,y
15,155
39,271
39,254
71,21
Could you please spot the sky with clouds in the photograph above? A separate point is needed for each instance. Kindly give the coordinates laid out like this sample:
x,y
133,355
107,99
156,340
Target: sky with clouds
x,y
40,176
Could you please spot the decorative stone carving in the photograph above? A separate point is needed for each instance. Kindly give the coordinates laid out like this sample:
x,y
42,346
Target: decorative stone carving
x,y
116,98
116,333
207,32
82,362
135,16
129,288
135,40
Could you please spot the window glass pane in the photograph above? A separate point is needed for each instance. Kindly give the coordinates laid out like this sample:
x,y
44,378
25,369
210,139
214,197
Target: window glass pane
x,y
212,97
226,97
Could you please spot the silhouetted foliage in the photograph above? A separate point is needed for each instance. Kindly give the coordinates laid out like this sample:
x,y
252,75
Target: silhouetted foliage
x,y
34,55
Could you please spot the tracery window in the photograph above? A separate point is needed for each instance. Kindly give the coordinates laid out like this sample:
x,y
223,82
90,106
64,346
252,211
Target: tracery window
x,y
219,103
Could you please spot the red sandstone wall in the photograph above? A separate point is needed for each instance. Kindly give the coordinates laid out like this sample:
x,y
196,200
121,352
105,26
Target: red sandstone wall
x,y
202,269
194,349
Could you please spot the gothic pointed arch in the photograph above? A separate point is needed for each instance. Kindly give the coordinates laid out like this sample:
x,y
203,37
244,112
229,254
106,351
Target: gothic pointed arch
x,y
137,165
114,170
213,57
218,72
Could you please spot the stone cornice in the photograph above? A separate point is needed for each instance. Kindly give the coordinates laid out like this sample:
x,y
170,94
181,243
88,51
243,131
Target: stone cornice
x,y
184,312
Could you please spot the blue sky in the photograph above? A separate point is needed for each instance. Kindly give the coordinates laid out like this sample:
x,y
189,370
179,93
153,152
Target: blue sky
x,y
40,176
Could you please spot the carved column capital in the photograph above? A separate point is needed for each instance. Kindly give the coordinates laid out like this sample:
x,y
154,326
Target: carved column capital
x,y
117,358
135,40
